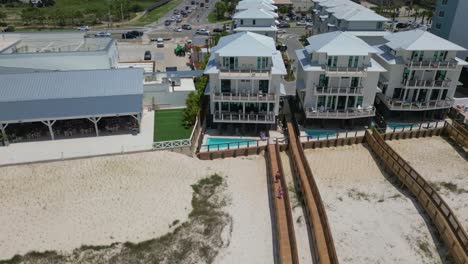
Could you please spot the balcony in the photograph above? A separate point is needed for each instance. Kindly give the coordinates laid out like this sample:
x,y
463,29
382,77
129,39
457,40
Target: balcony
x,y
428,64
346,71
399,105
426,84
238,97
233,117
243,73
318,90
340,114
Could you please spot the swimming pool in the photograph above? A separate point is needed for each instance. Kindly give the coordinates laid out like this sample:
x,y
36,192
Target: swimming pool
x,y
395,125
214,142
320,133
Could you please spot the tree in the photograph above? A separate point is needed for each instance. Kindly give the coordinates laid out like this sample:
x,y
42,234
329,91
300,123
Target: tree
x,y
220,8
2,15
416,14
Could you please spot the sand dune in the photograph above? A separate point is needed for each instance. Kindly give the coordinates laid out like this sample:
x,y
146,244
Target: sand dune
x,y
97,201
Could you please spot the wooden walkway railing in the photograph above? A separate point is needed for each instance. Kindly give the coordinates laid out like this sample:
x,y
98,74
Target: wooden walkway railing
x,y
323,246
442,216
285,237
458,133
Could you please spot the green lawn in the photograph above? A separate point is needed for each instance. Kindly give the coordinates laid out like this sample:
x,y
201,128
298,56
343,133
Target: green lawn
x,y
157,13
168,125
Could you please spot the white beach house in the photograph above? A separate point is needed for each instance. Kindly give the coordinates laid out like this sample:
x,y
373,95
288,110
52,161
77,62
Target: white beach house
x,y
336,77
243,5
245,84
422,74
344,15
257,20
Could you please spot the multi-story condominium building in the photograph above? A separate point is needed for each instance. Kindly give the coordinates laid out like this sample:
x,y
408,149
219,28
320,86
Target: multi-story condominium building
x,y
245,84
337,78
256,20
449,22
422,74
344,15
243,5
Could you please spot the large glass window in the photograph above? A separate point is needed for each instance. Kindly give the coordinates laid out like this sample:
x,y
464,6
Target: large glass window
x,y
351,101
440,75
360,99
354,82
263,86
321,101
444,94
435,94
323,81
230,62
353,61
262,63
225,86
332,61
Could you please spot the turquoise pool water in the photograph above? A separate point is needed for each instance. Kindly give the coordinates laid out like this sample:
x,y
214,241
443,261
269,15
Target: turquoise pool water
x,y
214,142
321,133
396,125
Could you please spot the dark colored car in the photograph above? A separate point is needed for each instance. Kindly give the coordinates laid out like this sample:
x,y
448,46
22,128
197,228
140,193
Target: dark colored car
x,y
176,11
218,30
167,23
128,35
284,25
136,33
188,7
147,55
192,3
186,27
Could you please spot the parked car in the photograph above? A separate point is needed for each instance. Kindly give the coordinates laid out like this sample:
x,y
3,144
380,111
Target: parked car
x,y
218,30
173,18
160,42
309,24
227,27
176,11
281,31
131,35
178,20
284,24
167,23
178,29
147,55
103,34
202,31
300,23
187,7
186,27
189,11
202,4
192,2
83,28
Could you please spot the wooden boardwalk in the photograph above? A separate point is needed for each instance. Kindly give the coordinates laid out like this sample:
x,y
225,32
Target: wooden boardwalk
x,y
285,239
324,248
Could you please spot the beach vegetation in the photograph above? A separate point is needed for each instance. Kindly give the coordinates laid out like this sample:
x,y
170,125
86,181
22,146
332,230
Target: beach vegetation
x,y
197,240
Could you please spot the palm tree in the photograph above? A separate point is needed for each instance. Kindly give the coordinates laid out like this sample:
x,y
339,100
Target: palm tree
x,y
408,10
416,14
429,15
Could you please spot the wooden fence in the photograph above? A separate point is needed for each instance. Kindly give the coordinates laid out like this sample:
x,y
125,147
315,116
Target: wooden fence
x,y
442,216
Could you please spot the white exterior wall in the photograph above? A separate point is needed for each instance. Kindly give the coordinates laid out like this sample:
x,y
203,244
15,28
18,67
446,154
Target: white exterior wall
x,y
248,22
62,61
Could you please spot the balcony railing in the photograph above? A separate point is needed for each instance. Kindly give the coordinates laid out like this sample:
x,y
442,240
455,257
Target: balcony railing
x,y
432,64
233,117
243,72
340,114
396,104
426,84
260,97
346,71
318,90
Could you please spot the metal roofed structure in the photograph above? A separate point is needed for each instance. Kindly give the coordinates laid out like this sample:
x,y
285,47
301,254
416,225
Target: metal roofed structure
x,y
419,40
247,5
47,97
339,43
255,13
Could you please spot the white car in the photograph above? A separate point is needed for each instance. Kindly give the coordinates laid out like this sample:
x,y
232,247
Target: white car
x,y
173,18
281,31
83,28
160,42
103,34
300,23
202,31
178,29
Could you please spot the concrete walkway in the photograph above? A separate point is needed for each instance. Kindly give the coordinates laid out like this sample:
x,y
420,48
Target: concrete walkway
x,y
79,147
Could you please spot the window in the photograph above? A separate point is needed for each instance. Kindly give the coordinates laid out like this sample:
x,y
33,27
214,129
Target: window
x,y
351,101
253,22
263,86
242,21
360,99
262,63
230,62
321,101
323,81
379,25
444,2
225,86
438,25
440,75
332,61
441,13
354,82
444,94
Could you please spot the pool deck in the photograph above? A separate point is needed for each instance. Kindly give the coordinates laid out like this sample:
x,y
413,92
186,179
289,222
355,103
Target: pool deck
x,y
339,133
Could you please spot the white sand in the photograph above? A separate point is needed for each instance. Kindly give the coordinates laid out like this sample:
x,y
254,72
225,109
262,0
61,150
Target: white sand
x,y
98,201
437,161
368,225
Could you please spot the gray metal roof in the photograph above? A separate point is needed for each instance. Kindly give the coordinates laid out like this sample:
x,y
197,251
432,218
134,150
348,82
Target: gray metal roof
x,y
71,94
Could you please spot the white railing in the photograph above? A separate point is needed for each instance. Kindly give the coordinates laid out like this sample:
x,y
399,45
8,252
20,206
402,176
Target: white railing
x,y
249,71
172,144
396,104
261,97
431,64
354,71
427,83
340,114
338,90
244,118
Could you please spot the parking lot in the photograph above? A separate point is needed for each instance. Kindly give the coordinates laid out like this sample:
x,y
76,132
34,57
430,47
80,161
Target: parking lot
x,y
133,51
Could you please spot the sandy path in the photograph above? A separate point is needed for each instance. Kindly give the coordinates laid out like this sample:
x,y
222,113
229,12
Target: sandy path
x,y
98,201
439,163
371,221
300,227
